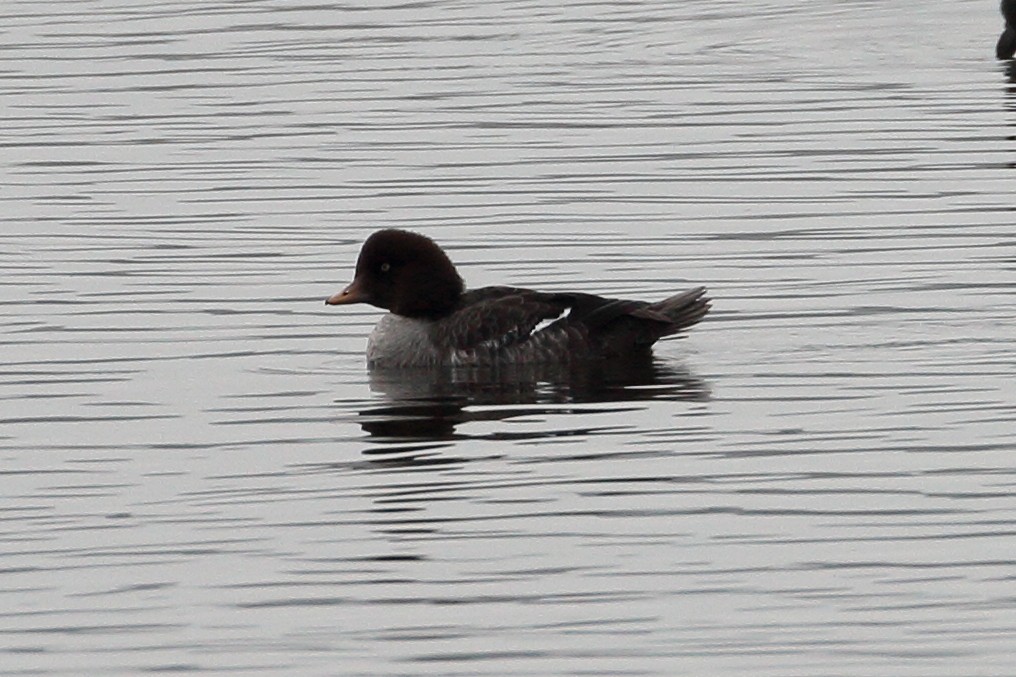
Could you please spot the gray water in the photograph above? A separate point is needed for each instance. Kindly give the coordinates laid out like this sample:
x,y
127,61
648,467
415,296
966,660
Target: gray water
x,y
199,474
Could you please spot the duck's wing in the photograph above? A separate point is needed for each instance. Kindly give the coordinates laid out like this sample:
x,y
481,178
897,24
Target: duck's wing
x,y
525,325
492,319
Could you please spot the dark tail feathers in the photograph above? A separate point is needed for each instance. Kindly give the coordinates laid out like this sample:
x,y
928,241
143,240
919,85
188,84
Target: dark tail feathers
x,y
680,311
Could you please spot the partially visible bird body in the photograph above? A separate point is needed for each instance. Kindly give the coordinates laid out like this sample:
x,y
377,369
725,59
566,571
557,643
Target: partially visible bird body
x,y
1006,46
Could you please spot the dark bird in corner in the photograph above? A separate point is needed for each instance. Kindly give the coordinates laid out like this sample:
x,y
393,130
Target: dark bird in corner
x,y
1007,41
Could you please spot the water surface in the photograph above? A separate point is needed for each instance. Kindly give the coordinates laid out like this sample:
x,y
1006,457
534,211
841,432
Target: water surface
x,y
199,474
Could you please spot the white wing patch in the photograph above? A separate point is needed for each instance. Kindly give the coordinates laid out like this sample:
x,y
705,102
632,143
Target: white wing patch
x,y
545,323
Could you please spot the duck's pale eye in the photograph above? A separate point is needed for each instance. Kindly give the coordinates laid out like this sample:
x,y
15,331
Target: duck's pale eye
x,y
385,267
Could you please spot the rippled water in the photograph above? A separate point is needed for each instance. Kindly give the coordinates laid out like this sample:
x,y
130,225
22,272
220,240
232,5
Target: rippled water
x,y
199,474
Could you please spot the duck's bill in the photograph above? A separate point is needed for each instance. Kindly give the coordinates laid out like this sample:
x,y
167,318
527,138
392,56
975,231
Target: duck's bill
x,y
351,294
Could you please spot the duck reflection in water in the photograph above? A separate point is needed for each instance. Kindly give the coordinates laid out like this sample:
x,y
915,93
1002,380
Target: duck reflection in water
x,y
1010,75
429,404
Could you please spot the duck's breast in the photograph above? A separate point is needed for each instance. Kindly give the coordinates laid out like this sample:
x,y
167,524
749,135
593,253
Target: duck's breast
x,y
399,341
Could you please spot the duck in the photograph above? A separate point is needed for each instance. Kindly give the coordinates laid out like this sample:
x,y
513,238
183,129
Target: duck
x,y
433,321
1006,46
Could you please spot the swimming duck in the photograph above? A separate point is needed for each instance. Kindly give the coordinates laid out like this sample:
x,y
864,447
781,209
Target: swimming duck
x,y
434,321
